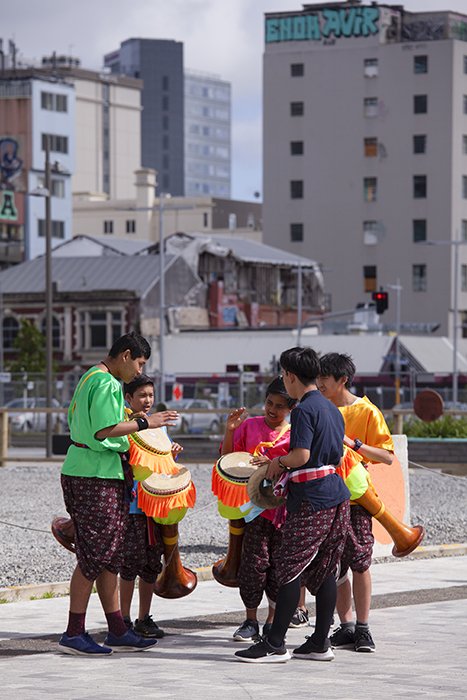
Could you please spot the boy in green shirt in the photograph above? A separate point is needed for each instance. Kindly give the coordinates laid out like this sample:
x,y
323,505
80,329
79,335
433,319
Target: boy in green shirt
x,y
93,482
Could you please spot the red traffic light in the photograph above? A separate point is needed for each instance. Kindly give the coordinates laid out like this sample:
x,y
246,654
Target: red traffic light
x,y
381,300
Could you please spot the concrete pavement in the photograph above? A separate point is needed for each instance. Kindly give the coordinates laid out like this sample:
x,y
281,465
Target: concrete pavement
x,y
419,623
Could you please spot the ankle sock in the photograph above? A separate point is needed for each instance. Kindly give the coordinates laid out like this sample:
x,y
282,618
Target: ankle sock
x,y
348,626
362,625
116,623
75,624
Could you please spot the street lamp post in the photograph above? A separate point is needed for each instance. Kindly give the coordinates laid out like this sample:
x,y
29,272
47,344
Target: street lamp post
x,y
48,302
398,289
162,196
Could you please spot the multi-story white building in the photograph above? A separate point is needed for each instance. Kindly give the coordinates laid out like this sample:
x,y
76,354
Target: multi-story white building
x,y
365,152
207,135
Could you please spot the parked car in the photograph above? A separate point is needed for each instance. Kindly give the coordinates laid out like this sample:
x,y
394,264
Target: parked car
x,y
194,422
28,420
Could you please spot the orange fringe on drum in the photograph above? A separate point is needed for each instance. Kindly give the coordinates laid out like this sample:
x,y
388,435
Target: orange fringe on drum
x,y
158,463
159,506
229,493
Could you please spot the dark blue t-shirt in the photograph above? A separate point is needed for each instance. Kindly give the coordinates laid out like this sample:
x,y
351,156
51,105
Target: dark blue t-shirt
x,y
318,426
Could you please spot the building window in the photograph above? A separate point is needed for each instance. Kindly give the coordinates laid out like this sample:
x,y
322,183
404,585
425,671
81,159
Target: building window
x,y
54,102
297,70
130,226
57,228
58,144
464,144
165,122
419,143
420,64
419,278
464,229
165,82
10,331
370,147
464,278
165,102
297,109
296,232
370,189
56,339
370,67
205,219
419,230
100,329
465,64
464,101
369,278
370,232
296,189
296,148
370,107
57,187
420,104
108,226
464,186
419,186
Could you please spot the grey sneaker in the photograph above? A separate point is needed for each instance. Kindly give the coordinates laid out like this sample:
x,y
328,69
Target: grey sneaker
x,y
363,640
148,628
343,638
300,618
247,632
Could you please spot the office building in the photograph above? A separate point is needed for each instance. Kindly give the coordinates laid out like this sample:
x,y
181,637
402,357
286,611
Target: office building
x,y
365,154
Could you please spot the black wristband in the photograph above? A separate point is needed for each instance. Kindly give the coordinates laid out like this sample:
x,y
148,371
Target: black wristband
x,y
142,423
357,444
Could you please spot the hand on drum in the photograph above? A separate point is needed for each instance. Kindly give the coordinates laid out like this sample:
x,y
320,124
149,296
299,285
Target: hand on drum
x,y
161,418
176,449
236,418
260,460
274,470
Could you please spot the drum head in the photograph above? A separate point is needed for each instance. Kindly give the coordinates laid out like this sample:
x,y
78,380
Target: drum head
x,y
153,440
167,484
236,466
260,493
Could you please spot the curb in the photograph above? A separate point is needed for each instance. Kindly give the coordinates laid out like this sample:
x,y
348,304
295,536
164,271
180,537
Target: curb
x,y
39,591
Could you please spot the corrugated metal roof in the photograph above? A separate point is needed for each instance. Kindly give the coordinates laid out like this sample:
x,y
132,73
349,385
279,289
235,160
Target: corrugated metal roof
x,y
85,274
434,353
83,246
252,251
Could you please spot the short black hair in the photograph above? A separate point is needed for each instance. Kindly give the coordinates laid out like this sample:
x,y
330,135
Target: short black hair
x,y
277,386
142,380
338,365
303,362
135,343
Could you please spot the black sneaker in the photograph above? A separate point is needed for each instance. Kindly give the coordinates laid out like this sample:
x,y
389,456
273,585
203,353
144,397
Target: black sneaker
x,y
148,628
309,650
363,640
343,638
263,653
300,618
247,632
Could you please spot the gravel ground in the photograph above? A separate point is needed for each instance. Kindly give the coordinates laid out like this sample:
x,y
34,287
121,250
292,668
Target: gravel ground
x,y
31,497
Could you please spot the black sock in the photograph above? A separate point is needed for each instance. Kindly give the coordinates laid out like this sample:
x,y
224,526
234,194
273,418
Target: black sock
x,y
325,604
286,604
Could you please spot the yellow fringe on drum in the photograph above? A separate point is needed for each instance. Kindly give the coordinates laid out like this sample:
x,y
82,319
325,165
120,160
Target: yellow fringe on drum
x,y
159,463
159,506
229,493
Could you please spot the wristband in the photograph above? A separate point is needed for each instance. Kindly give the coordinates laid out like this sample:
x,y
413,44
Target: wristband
x,y
142,423
357,444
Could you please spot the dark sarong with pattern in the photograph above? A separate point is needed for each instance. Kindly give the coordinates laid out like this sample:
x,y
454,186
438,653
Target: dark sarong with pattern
x,y
139,558
257,572
312,545
99,513
358,549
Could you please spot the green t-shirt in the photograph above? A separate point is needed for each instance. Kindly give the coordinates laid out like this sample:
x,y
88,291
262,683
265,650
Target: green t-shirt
x,y
96,404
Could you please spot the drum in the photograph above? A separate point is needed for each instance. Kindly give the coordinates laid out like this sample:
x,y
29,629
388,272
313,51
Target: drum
x,y
151,452
229,483
166,498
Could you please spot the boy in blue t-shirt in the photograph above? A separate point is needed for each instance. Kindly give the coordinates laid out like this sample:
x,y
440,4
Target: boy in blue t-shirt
x,y
318,513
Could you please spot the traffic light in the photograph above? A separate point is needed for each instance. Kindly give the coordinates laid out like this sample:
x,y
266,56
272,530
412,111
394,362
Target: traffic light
x,y
381,300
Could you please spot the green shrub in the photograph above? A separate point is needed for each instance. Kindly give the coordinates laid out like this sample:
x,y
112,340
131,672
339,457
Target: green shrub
x,y
445,427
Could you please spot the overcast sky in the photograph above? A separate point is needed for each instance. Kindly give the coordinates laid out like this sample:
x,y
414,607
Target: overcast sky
x,y
220,36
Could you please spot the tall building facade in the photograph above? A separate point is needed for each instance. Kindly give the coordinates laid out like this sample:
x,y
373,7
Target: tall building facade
x,y
185,122
365,153
207,135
